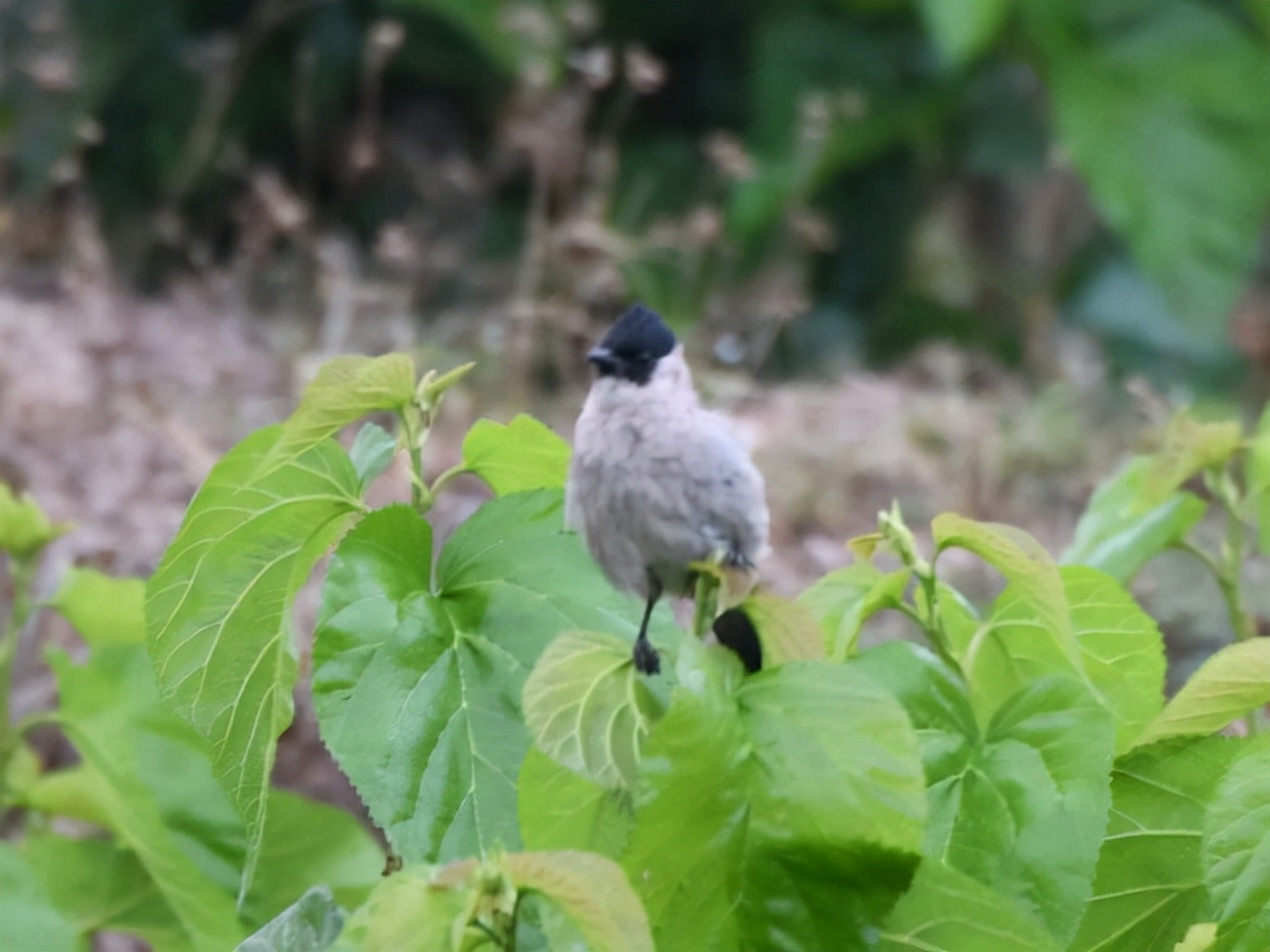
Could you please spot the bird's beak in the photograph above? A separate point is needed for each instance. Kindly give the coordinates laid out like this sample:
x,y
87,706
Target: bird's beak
x,y
603,358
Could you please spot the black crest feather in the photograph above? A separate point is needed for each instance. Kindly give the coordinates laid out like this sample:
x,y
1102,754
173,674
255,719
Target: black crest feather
x,y
640,334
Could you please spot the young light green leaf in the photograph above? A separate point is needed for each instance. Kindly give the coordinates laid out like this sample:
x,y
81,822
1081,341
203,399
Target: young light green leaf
x,y
1257,480
521,455
24,528
1190,197
105,610
1020,806
742,788
371,452
407,912
97,716
963,29
1228,685
787,631
343,390
1121,649
1236,853
28,918
1120,530
1200,937
947,911
592,891
311,924
843,601
1149,884
97,885
1190,447
218,606
563,810
588,708
1022,560
417,684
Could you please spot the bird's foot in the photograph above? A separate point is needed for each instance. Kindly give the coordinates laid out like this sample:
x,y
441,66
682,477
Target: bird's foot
x,y
645,656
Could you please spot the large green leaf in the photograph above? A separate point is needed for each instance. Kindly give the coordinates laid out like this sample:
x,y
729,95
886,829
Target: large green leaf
x,y
563,810
417,683
98,716
588,708
1121,650
1227,686
407,913
522,455
756,799
103,609
311,924
947,911
1120,531
1236,853
218,606
1021,805
343,390
1155,104
1149,886
843,601
29,922
962,29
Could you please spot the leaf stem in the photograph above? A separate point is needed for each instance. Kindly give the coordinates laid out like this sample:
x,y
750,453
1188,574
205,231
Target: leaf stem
x,y
22,576
458,469
413,437
706,603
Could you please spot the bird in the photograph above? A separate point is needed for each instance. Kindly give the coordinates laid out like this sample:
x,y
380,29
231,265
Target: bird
x,y
658,483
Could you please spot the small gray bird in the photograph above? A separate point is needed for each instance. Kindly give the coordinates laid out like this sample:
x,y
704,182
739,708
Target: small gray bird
x,y
657,481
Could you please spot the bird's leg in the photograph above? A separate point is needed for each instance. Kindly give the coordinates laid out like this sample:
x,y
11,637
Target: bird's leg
x,y
644,654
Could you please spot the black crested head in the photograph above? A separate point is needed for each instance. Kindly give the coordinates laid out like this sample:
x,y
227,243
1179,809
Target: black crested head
x,y
632,347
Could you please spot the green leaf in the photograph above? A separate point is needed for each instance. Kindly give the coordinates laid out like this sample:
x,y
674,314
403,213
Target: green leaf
x,y
592,891
844,599
24,528
745,791
407,912
1121,530
1227,686
517,457
97,713
1149,884
1236,853
311,924
787,631
218,606
1121,649
563,810
947,911
417,683
1147,103
1257,479
371,453
99,886
343,390
1190,447
1199,938
588,708
28,919
105,610
1020,806
1021,559
963,29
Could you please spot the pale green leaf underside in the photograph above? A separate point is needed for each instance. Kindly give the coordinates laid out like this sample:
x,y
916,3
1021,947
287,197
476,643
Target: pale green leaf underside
x,y
1227,686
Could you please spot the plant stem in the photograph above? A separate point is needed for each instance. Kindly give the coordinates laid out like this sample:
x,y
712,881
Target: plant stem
x,y
420,497
458,469
934,622
706,602
21,573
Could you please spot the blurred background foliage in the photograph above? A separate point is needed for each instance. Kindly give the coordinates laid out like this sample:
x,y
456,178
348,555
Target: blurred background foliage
x,y
804,182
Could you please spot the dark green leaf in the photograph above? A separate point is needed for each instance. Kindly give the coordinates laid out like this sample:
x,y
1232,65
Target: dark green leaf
x,y
588,708
1236,853
371,452
963,29
1149,885
1228,685
562,810
103,609
29,922
1120,531
417,684
218,606
844,599
520,456
311,924
947,911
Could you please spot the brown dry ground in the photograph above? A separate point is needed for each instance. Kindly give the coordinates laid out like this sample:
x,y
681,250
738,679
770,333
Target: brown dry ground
x,y
113,408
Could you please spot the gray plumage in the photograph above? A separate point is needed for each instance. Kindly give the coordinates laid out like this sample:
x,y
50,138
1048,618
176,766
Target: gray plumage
x,y
657,481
